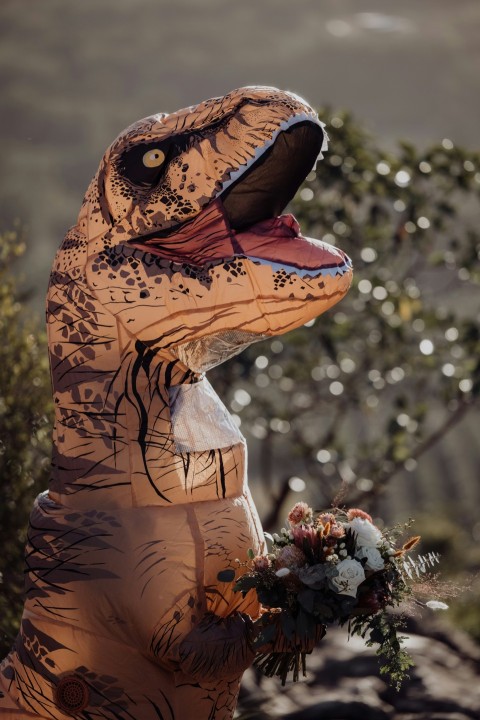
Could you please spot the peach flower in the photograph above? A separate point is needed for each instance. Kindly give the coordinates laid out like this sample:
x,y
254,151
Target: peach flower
x,y
336,531
357,513
326,517
300,514
261,563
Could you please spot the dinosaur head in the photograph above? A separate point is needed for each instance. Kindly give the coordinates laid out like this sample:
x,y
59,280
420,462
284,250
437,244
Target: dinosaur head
x,y
186,243
251,148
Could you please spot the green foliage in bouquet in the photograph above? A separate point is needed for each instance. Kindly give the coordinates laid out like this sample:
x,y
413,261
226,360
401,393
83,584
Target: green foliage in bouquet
x,y
335,568
383,632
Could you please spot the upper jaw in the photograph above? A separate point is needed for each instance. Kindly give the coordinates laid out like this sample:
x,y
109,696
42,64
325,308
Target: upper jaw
x,y
262,188
285,125
258,190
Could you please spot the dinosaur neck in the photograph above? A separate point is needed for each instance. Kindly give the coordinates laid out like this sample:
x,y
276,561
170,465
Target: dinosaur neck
x,y
127,325
111,394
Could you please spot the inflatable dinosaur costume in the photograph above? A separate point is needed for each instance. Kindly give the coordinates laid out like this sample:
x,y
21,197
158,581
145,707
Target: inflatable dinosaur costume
x,y
178,261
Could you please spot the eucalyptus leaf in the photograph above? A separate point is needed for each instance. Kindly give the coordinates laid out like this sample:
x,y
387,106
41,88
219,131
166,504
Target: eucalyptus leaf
x,y
306,599
313,575
267,635
331,571
288,625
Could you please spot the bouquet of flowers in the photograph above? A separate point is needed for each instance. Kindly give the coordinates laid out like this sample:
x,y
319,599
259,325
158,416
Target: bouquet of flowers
x,y
335,567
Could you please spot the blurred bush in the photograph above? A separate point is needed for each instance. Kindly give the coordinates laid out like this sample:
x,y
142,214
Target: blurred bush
x,y
345,404
364,391
25,429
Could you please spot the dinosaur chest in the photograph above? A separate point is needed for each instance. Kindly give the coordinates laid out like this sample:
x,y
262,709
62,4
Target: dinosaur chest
x,y
199,420
186,449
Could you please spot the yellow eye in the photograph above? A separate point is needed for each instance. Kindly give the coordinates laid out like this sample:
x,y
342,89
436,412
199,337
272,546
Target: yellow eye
x,y
153,158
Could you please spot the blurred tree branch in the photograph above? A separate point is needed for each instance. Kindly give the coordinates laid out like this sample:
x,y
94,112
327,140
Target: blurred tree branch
x,y
383,377
25,431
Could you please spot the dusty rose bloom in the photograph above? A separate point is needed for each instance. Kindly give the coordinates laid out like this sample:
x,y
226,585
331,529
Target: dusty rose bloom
x,y
357,513
290,556
325,518
261,563
308,533
336,531
372,601
300,514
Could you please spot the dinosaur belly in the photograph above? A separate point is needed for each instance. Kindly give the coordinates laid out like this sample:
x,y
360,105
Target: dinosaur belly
x,y
119,587
123,573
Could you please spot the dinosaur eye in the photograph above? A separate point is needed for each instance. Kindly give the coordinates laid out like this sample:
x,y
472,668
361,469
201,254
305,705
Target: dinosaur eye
x,y
153,158
144,165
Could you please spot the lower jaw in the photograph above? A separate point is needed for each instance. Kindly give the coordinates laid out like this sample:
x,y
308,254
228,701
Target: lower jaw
x,y
209,238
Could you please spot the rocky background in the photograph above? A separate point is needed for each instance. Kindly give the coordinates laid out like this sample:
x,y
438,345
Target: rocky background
x,y
343,682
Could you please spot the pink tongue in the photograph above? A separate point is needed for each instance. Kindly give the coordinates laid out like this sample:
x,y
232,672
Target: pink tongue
x,y
208,237
280,240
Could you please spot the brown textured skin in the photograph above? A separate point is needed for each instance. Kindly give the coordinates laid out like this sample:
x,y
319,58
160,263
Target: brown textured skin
x,y
123,551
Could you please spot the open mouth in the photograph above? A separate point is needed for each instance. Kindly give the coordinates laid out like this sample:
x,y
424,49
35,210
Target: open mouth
x,y
265,189
251,202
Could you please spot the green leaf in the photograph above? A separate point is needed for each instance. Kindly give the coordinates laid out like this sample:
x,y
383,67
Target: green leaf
x,y
246,583
323,612
376,636
288,625
306,598
305,625
267,635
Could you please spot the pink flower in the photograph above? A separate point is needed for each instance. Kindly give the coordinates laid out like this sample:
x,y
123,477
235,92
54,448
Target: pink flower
x,y
300,514
290,556
308,533
336,531
325,518
357,513
261,563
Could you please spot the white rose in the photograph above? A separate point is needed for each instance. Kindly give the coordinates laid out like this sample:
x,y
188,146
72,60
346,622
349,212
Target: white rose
x,y
373,557
367,534
350,575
